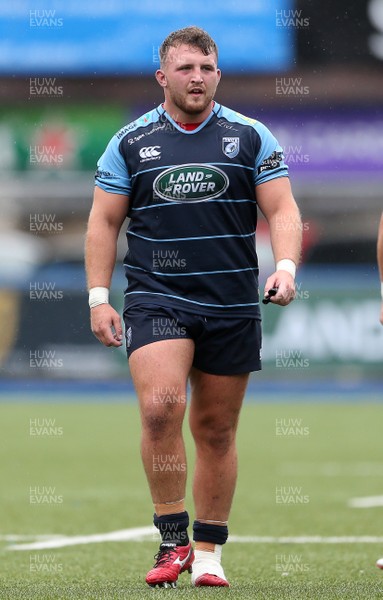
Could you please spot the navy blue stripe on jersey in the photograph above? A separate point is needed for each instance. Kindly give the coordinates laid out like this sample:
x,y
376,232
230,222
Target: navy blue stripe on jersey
x,y
186,239
167,205
192,208
190,273
205,304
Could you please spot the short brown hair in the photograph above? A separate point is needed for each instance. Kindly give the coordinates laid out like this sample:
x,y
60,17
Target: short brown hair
x,y
192,36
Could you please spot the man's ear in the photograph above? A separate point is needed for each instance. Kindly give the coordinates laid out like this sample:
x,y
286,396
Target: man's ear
x,y
161,78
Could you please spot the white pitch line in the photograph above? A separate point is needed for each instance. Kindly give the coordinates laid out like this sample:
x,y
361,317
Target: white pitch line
x,y
366,502
139,534
15,537
136,534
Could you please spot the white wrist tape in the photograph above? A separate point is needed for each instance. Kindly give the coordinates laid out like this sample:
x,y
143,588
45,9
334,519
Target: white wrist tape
x,y
286,264
381,289
97,296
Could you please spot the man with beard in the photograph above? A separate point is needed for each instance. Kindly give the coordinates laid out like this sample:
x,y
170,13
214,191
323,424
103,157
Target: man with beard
x,y
190,175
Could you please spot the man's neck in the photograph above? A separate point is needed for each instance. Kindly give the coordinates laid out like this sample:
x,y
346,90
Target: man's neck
x,y
186,118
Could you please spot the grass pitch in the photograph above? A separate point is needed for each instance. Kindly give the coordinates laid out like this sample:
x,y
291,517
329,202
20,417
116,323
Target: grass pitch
x,y
299,467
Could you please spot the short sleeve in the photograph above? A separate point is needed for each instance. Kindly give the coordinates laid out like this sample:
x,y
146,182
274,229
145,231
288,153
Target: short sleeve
x,y
269,162
112,174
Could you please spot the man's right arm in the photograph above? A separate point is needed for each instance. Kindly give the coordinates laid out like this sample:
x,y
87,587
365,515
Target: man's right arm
x,y
105,220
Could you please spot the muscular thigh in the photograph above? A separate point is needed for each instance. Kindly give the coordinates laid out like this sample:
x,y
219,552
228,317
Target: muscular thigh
x,y
216,399
160,370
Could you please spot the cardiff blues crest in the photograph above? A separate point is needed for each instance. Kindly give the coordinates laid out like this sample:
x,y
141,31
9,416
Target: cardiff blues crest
x,y
230,146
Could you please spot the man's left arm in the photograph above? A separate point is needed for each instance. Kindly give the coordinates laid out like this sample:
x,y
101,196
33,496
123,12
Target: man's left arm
x,y
276,201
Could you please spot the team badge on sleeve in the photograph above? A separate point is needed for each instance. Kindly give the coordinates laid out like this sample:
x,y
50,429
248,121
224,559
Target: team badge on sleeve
x,y
230,146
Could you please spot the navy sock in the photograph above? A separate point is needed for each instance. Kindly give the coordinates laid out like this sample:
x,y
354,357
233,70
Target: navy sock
x,y
207,532
173,528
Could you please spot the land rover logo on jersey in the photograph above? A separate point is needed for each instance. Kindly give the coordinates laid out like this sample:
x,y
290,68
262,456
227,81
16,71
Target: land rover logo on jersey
x,y
191,183
230,146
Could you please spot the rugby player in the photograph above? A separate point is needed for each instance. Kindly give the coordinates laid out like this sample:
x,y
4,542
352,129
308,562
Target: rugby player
x,y
190,175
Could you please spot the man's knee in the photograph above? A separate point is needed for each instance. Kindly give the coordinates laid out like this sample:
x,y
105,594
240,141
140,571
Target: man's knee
x,y
216,436
156,426
161,422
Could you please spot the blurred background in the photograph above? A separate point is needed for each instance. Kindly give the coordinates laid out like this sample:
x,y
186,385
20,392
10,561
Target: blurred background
x,y
72,74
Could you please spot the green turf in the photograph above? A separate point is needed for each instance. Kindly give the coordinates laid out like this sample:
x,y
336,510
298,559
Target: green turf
x,y
335,454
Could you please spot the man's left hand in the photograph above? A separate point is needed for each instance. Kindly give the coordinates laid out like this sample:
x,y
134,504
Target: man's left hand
x,y
285,283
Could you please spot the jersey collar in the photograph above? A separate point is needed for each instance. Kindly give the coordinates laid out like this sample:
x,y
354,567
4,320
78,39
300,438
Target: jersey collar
x,y
162,112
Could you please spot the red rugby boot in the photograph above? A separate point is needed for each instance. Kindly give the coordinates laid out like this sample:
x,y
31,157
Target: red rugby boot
x,y
171,560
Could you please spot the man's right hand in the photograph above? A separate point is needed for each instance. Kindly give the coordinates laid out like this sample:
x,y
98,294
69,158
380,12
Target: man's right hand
x,y
106,325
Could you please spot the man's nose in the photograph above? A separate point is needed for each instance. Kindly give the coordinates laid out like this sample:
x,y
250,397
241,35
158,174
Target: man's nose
x,y
197,76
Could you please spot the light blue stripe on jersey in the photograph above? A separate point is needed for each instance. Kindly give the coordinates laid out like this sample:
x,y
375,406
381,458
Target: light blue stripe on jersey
x,y
192,273
153,169
172,202
186,239
232,165
194,301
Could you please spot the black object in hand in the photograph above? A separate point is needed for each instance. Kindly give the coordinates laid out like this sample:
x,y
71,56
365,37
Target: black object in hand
x,y
270,293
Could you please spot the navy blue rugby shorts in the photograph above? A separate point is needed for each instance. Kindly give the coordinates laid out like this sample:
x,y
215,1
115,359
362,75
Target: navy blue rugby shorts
x,y
223,346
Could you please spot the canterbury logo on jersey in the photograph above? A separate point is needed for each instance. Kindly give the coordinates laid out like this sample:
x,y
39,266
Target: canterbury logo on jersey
x,y
150,153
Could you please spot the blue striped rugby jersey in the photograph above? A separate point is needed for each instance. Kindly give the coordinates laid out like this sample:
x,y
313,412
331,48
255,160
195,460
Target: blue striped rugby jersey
x,y
192,209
